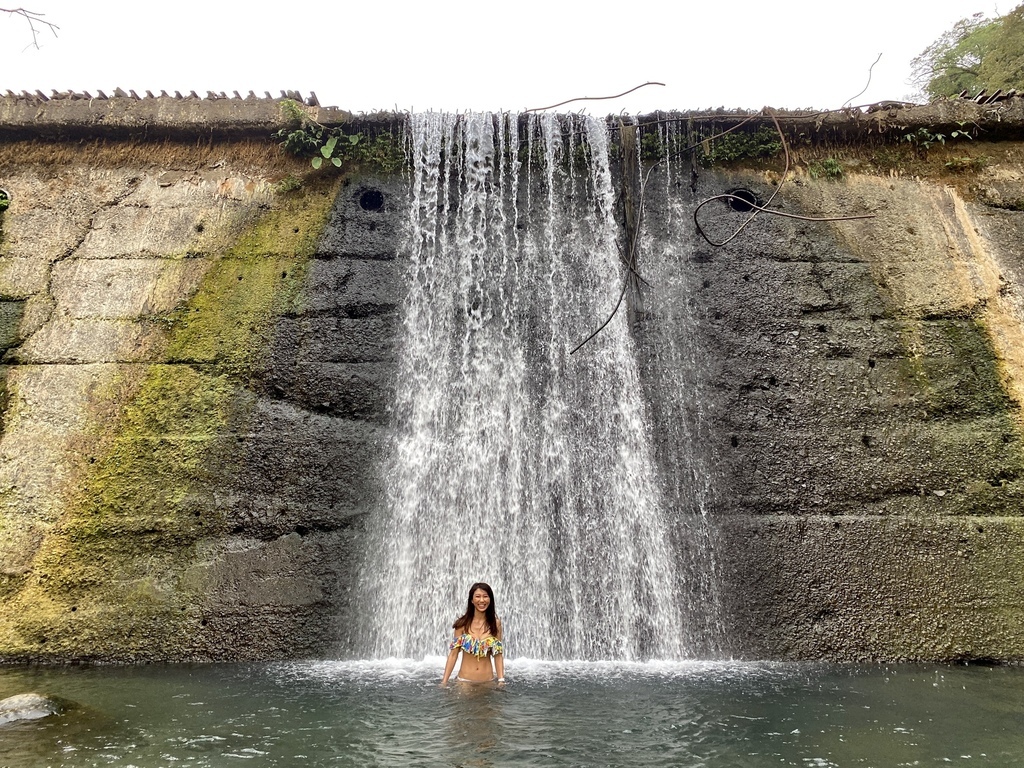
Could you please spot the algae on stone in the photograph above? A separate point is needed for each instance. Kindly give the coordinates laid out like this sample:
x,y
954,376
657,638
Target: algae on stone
x,y
107,581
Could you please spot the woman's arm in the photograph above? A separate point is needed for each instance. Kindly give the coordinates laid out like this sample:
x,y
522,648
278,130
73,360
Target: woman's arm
x,y
449,665
499,667
499,660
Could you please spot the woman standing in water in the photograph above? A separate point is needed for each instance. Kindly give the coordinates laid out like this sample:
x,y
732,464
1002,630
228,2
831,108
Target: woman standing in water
x,y
478,639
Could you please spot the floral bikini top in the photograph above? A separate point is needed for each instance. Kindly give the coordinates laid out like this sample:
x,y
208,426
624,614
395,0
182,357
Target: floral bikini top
x,y
490,645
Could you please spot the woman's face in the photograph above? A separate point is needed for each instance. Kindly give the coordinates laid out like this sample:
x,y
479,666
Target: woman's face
x,y
481,600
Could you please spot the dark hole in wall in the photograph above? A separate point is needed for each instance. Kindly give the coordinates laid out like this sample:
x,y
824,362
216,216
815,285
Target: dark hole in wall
x,y
746,202
371,200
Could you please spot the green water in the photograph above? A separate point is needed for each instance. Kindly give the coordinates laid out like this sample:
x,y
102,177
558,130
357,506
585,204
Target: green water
x,y
597,714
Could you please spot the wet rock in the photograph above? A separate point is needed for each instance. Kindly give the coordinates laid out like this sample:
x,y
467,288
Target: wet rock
x,y
28,706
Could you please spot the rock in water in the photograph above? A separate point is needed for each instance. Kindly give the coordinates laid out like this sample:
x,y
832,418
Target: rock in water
x,y
27,706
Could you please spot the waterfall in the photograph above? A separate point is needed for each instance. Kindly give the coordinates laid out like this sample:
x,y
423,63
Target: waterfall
x,y
513,462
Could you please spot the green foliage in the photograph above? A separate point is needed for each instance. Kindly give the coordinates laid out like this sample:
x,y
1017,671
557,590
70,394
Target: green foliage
x,y
289,183
652,148
976,53
1003,67
922,139
764,142
967,164
385,151
308,138
826,169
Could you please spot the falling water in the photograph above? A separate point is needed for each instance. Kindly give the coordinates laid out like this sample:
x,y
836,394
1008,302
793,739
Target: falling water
x,y
513,462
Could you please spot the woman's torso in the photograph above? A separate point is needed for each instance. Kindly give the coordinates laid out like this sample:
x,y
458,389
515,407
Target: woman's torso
x,y
477,652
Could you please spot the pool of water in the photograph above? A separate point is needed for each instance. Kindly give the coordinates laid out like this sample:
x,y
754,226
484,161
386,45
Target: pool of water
x,y
588,714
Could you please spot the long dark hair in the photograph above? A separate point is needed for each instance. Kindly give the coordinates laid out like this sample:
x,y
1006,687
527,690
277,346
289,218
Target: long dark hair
x,y
490,614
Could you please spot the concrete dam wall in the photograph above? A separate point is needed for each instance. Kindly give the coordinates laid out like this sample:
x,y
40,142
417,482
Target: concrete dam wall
x,y
202,347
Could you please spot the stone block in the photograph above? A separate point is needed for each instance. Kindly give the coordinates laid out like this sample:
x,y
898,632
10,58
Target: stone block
x,y
92,340
331,339
297,467
238,575
353,287
22,277
368,221
39,235
48,410
344,390
123,288
11,313
859,588
199,190
130,232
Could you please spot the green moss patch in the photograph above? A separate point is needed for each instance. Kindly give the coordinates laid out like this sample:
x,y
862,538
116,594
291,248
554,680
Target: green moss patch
x,y
957,370
108,579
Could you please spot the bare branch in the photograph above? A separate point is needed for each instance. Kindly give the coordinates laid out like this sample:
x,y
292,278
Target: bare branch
x,y
849,101
36,22
591,98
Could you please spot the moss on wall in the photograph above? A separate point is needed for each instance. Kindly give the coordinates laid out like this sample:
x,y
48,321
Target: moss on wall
x,y
107,581
956,369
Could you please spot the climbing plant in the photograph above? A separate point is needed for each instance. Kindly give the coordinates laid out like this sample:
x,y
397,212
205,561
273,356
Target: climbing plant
x,y
321,144
830,168
726,148
308,138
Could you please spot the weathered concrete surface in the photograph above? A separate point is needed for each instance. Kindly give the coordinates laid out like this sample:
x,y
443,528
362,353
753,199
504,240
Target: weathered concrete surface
x,y
870,588
859,407
121,114
198,370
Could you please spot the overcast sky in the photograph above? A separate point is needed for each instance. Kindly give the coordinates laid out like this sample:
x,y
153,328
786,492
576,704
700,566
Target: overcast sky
x,y
487,54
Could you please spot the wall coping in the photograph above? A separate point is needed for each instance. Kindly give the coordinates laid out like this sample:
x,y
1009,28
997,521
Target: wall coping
x,y
74,115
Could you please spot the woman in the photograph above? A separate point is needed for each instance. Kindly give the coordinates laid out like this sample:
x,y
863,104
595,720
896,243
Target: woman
x,y
478,639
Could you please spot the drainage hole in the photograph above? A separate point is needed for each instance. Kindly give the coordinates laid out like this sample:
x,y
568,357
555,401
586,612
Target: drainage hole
x,y
746,201
371,200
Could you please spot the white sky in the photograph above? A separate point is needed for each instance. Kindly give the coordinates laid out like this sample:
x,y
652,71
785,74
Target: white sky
x,y
487,54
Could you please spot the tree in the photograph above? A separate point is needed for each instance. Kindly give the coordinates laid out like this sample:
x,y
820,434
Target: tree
x,y
976,53
1003,67
36,22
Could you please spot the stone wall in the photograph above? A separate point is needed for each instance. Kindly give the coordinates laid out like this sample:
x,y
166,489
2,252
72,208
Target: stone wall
x,y
198,365
862,396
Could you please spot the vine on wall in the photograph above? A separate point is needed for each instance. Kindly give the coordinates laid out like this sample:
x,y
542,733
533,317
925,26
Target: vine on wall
x,y
305,137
